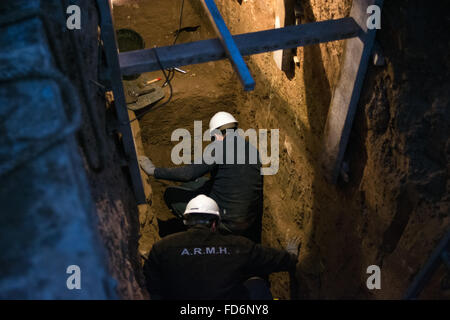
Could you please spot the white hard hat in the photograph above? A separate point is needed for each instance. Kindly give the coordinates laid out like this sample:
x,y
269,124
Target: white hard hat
x,y
202,204
221,119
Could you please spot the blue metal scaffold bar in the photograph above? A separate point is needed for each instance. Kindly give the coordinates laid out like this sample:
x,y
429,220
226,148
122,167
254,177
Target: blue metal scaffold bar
x,y
438,257
140,61
108,35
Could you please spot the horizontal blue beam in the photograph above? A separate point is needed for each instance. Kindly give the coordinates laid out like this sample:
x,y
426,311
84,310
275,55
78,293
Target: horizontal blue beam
x,y
141,61
110,43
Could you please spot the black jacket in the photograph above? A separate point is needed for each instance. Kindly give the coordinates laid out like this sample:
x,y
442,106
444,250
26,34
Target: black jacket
x,y
201,264
237,188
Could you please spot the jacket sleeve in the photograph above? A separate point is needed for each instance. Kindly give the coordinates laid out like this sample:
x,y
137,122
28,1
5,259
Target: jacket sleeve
x,y
264,260
185,173
153,276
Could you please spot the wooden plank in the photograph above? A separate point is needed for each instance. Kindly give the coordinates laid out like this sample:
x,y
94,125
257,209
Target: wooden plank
x,y
284,16
233,53
137,135
346,95
108,35
249,43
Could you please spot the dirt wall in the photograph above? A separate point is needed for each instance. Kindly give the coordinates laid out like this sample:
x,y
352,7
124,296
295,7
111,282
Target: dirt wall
x,y
111,187
395,208
297,197
400,148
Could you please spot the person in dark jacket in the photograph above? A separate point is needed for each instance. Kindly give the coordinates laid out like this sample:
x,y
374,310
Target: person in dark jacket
x,y
236,183
202,263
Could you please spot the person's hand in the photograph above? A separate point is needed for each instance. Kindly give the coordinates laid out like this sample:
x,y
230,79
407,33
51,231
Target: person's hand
x,y
293,245
147,165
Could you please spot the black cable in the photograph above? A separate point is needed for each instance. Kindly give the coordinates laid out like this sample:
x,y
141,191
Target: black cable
x,y
181,22
166,76
171,75
172,70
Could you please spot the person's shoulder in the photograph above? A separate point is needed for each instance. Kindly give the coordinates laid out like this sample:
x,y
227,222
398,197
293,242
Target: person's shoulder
x,y
169,239
236,239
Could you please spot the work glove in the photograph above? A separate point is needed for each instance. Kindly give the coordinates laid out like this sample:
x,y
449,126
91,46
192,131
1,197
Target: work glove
x,y
293,245
147,165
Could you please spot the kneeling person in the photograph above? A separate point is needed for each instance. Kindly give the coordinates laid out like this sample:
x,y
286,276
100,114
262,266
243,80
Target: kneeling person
x,y
201,263
236,183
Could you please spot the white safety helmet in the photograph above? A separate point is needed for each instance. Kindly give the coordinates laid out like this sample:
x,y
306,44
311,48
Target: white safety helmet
x,y
222,120
203,205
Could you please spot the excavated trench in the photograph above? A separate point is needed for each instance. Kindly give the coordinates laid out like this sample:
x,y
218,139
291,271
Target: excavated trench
x,y
207,89
376,218
392,212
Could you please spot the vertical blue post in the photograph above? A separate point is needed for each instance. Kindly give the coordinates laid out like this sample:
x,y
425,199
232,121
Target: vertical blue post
x,y
229,45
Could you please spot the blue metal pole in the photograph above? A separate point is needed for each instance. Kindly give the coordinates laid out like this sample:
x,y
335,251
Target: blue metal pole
x,y
229,45
202,51
429,268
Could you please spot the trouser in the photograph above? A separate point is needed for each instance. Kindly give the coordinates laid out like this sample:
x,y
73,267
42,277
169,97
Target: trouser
x,y
258,289
177,198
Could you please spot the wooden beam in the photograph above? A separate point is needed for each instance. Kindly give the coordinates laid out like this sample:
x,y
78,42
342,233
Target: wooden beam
x,y
347,92
140,61
284,16
233,53
109,41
